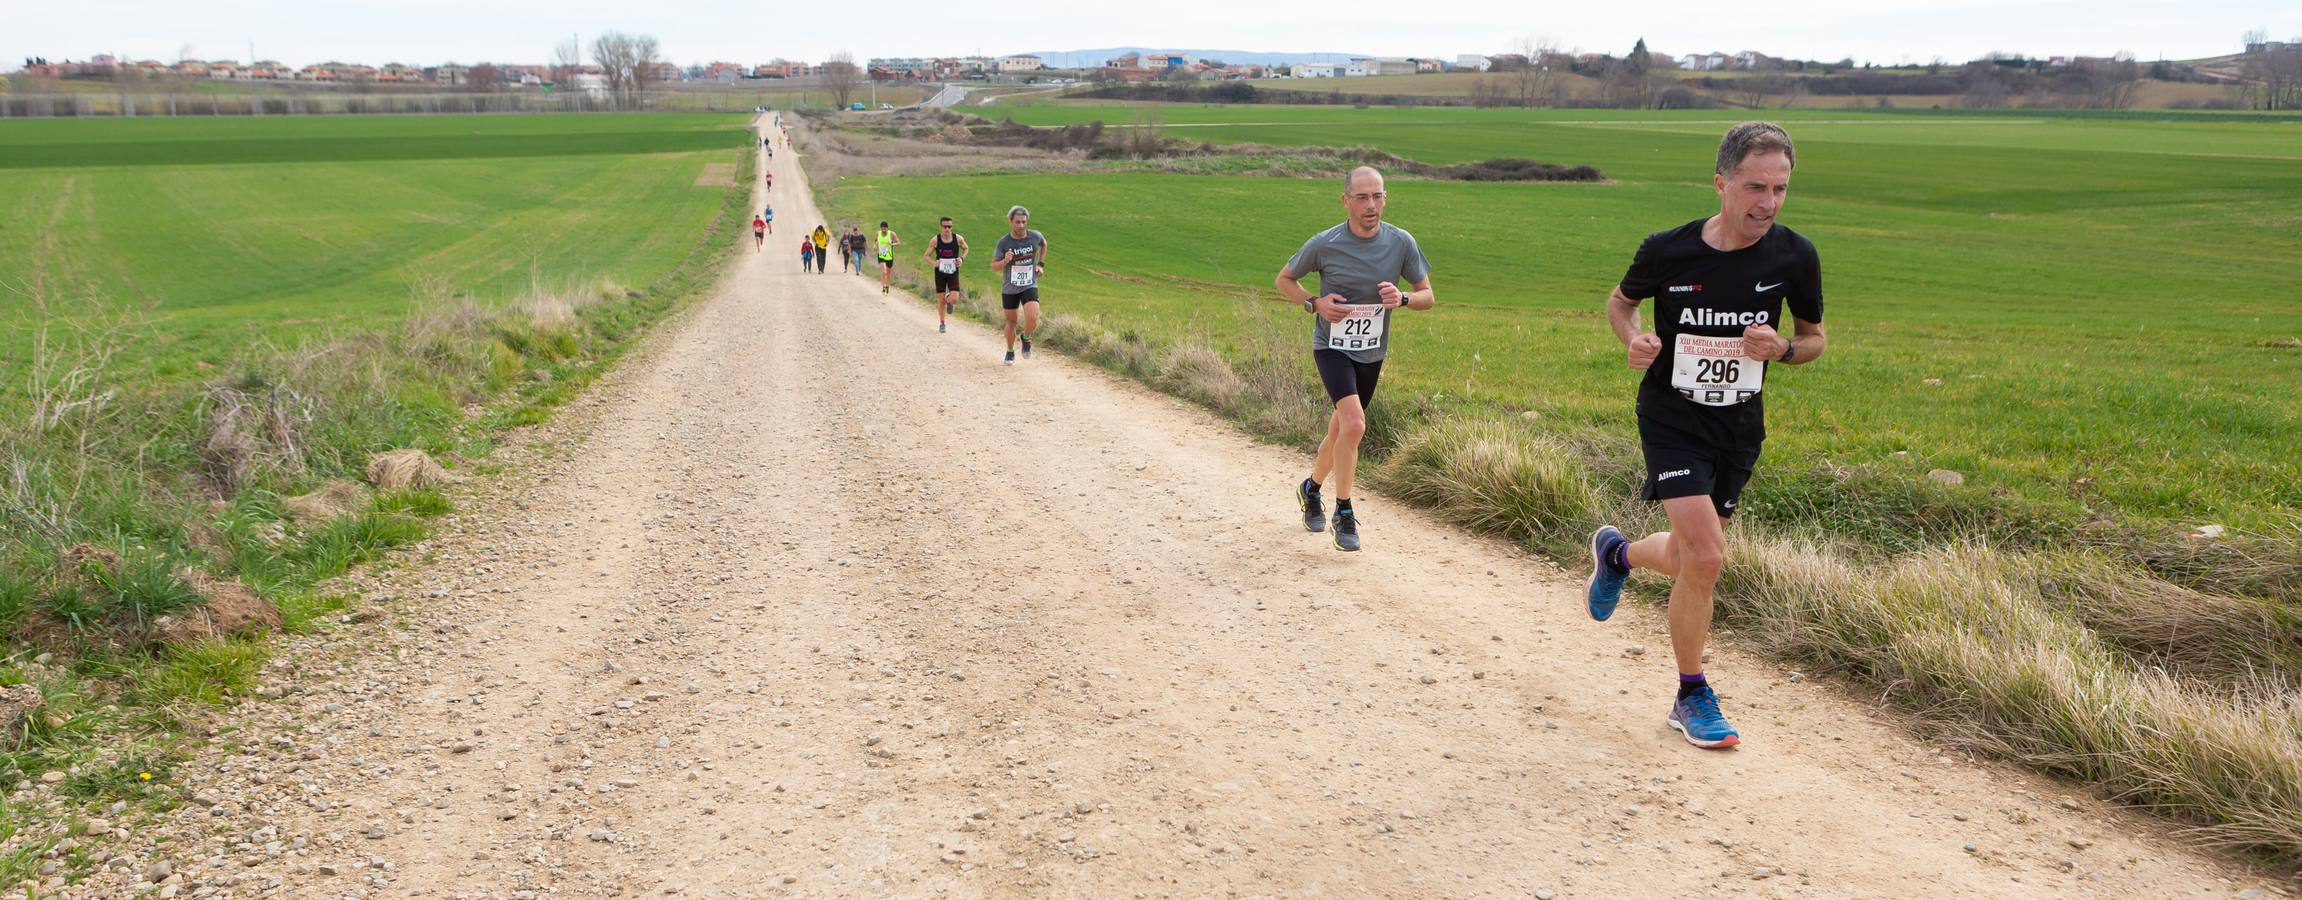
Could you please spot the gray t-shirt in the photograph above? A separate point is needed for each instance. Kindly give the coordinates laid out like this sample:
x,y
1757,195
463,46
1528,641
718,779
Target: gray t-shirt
x,y
1351,266
1024,265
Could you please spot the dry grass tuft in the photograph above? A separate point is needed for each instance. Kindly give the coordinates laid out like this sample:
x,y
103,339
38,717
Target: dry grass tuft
x,y
1963,635
330,500
399,470
1495,475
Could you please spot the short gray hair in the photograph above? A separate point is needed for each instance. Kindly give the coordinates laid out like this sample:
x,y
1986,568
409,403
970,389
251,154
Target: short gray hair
x,y
1353,175
1012,211
1750,138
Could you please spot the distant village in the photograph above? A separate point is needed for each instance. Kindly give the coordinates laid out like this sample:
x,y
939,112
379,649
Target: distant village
x,y
1132,67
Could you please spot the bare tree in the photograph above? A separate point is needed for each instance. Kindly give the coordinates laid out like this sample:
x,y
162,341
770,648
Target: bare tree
x,y
612,52
2109,83
644,57
566,61
484,78
2274,78
1535,84
841,76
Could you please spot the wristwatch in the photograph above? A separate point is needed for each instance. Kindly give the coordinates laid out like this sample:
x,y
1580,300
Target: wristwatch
x,y
1789,349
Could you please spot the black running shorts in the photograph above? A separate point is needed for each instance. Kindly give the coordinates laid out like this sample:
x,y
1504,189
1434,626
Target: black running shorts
x,y
1345,376
946,282
1017,299
886,263
1682,464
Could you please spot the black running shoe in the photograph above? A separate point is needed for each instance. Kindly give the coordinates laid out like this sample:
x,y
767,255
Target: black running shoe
x,y
1011,357
1026,348
1314,511
1346,530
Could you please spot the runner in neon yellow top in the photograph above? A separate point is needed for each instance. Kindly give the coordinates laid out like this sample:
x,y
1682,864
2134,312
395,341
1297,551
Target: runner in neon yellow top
x,y
887,244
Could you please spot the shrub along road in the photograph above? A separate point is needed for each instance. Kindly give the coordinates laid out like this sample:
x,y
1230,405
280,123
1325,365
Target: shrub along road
x,y
809,598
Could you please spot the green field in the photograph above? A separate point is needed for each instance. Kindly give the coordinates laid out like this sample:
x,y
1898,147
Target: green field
x,y
2108,303
237,229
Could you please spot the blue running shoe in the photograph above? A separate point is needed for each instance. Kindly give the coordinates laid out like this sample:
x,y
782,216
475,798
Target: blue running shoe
x,y
1605,588
1697,716
1314,512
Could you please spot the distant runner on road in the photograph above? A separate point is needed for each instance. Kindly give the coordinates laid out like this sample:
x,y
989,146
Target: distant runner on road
x,y
822,248
806,253
1360,263
1719,284
1022,258
758,234
947,253
887,244
852,244
767,213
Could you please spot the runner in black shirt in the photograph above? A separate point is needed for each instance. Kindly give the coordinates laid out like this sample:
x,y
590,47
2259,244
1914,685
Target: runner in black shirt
x,y
947,253
1720,286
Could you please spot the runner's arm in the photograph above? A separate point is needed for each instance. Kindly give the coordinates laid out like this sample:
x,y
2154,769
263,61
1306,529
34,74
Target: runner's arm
x,y
1418,296
1623,317
1291,287
1809,343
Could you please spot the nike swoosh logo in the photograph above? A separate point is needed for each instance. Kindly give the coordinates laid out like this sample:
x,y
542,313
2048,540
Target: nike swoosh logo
x,y
1768,287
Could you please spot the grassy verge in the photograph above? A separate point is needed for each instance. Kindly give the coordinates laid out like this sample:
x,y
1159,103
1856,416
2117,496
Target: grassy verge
x,y
2158,666
132,506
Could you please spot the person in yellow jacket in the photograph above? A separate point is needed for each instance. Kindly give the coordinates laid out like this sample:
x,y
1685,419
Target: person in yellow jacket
x,y
822,247
887,244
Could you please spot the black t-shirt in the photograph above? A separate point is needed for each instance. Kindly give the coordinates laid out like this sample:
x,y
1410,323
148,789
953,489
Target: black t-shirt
x,y
1704,292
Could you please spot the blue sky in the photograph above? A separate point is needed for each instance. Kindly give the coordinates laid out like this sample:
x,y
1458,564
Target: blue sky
x,y
430,31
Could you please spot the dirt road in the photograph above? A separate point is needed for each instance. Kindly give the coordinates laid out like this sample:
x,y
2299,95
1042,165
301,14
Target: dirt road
x,y
811,600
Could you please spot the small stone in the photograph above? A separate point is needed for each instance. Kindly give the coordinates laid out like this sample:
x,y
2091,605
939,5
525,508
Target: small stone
x,y
1544,894
2079,843
2209,532
52,776
1945,476
1796,677
1635,650
328,869
602,835
96,828
1083,807
1428,679
159,871
2070,803
1970,848
375,830
874,739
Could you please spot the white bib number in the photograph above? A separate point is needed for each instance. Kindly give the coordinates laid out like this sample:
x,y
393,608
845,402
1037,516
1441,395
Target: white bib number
x,y
947,266
1363,330
1712,371
1023,274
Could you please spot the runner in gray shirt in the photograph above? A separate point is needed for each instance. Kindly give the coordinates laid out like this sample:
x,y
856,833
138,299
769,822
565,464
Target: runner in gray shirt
x,y
1360,265
1020,258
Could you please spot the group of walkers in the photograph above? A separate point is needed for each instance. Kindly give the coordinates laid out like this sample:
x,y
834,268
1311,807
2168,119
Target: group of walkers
x,y
1720,285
